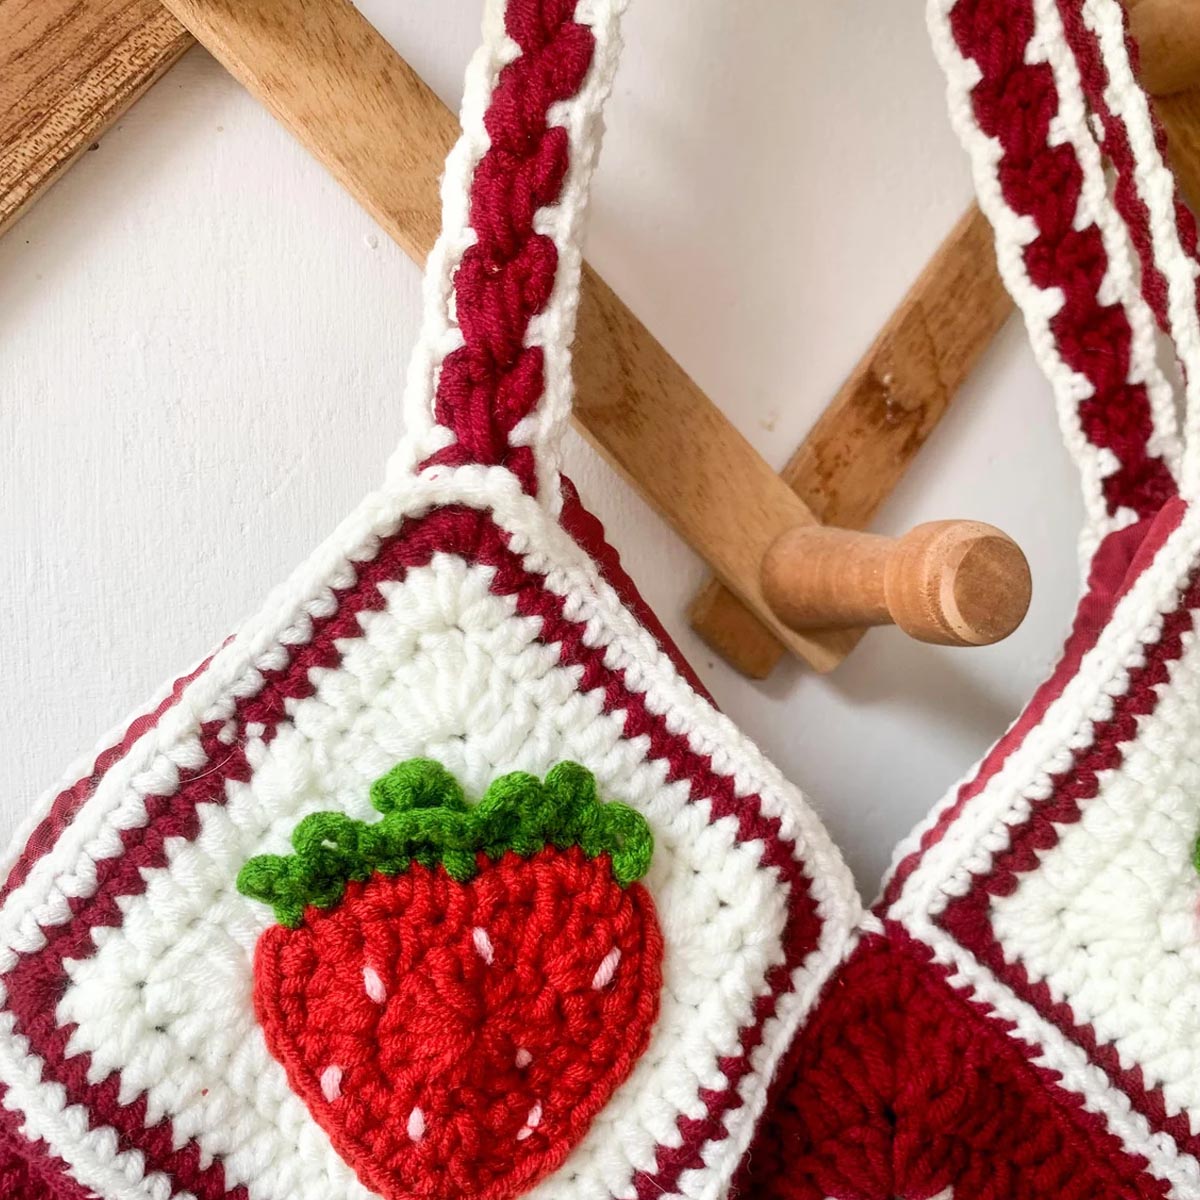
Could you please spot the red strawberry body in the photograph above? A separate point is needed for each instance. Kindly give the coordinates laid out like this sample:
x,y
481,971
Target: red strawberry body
x,y
456,1037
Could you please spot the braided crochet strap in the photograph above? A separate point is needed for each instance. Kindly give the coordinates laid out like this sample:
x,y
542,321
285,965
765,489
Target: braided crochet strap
x,y
1016,99
490,382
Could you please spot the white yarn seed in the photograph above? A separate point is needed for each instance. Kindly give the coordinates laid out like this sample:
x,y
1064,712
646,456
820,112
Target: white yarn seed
x,y
531,1122
416,1125
331,1083
607,969
374,985
524,1058
483,944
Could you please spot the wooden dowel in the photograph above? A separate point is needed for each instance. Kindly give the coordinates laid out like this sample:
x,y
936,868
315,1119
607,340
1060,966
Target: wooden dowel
x,y
867,438
67,71
953,583
334,81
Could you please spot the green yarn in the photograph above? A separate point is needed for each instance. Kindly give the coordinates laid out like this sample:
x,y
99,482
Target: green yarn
x,y
426,819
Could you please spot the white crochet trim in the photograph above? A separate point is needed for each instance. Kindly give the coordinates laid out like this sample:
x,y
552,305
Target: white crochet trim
x,y
553,328
1014,232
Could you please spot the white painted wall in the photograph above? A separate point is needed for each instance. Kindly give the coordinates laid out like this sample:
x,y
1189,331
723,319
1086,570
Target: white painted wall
x,y
202,341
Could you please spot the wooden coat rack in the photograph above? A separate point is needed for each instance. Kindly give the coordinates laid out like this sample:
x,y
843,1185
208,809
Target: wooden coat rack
x,y
792,573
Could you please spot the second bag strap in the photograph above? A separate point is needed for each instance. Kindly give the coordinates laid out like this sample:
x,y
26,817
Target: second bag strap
x,y
1092,309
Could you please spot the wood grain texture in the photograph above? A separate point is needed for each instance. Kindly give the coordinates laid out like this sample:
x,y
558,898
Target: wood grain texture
x,y
330,77
867,438
68,69
1167,33
950,583
1180,115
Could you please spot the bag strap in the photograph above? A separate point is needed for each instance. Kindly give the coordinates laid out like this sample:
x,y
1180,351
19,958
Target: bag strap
x,y
490,381
1065,247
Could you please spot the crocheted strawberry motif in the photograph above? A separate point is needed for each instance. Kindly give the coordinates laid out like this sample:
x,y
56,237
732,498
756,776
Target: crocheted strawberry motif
x,y
455,990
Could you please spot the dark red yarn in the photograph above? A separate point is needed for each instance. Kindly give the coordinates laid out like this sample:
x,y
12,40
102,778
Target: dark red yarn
x,y
38,980
28,1171
901,1087
505,279
1014,102
487,1013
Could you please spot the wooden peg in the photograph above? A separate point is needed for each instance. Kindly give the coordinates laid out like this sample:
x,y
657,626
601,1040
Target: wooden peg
x,y
892,401
953,583
1167,33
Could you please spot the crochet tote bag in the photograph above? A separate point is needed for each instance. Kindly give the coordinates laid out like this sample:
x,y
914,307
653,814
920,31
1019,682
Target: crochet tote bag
x,y
1020,1017
440,878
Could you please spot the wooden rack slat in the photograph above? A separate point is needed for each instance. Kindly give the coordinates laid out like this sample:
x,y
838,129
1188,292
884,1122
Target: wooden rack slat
x,y
337,84
67,71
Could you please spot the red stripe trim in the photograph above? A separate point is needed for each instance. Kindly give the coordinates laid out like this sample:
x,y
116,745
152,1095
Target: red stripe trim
x,y
36,983
70,800
588,533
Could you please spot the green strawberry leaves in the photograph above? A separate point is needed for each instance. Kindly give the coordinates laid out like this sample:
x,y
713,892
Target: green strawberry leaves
x,y
427,819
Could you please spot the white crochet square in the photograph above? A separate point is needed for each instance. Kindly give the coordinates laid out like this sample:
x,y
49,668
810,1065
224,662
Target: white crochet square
x,y
1110,920
166,1001
448,668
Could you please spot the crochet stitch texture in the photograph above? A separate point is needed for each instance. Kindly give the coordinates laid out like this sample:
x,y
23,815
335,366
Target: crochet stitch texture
x,y
468,612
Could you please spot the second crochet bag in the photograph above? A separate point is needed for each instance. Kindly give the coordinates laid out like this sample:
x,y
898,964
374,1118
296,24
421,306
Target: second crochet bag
x,y
1020,1017
439,879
